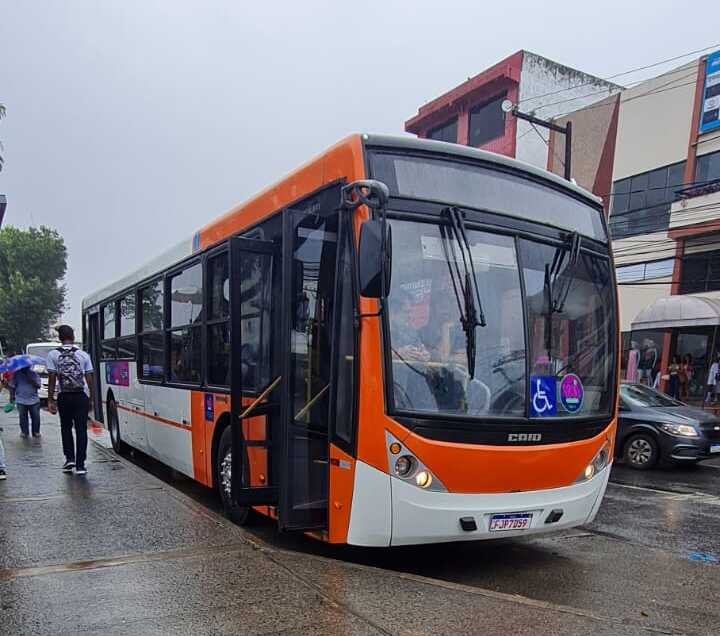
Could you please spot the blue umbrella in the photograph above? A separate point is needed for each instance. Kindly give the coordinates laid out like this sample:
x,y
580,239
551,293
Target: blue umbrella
x,y
10,365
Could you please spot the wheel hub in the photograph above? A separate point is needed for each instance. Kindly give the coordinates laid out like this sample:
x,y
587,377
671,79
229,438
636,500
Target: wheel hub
x,y
640,451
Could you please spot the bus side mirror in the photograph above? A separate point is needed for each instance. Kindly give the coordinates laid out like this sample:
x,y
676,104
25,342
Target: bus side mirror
x,y
374,265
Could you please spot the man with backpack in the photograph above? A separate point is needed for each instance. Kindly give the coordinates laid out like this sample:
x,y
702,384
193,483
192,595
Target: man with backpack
x,y
73,370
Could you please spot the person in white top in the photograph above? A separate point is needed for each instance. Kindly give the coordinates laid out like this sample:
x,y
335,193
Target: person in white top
x,y
72,369
711,390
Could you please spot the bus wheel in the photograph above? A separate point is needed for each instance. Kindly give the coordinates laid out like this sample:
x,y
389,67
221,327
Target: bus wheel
x,y
114,427
641,451
237,514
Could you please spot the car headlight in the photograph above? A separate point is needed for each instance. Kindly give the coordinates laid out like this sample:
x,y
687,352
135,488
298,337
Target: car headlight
x,y
600,461
683,430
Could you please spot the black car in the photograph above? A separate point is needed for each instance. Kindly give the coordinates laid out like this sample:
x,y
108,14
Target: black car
x,y
652,426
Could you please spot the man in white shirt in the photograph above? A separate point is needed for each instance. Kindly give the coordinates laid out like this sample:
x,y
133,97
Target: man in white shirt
x,y
711,391
72,369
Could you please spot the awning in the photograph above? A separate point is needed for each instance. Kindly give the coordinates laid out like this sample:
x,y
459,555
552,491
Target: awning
x,y
678,311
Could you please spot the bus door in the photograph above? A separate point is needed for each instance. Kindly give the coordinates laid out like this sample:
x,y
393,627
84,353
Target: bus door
x,y
92,346
253,382
310,231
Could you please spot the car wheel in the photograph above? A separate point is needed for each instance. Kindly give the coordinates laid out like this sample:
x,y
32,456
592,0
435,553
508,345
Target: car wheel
x,y
114,427
224,464
641,451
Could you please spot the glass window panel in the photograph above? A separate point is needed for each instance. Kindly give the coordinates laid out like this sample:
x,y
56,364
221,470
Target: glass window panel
x,y
219,286
620,203
630,273
428,346
622,186
186,300
219,354
152,349
185,346
109,350
676,175
579,339
127,315
657,179
126,348
152,306
708,167
693,274
487,122
255,291
637,200
639,183
445,132
109,320
660,269
713,280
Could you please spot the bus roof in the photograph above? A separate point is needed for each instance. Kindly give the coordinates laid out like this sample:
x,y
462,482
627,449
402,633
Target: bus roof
x,y
314,172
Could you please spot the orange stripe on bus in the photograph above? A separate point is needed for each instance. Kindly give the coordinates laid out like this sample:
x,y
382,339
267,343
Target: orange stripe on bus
x,y
157,418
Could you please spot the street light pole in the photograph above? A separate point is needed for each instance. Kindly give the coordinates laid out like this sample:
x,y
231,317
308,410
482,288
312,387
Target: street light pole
x,y
566,130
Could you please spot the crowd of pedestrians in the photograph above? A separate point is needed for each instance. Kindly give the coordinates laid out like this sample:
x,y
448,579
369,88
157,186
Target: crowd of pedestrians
x,y
70,371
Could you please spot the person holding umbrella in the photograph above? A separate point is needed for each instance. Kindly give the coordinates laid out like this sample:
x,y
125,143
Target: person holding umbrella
x,y
25,382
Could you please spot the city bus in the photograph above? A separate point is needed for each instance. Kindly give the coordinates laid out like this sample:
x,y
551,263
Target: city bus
x,y
403,341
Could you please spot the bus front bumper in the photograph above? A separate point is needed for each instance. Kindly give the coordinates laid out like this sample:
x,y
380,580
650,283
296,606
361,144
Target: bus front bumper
x,y
419,516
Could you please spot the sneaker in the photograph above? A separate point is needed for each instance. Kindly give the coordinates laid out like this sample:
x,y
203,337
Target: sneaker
x,y
3,474
37,435
24,435
68,466
81,470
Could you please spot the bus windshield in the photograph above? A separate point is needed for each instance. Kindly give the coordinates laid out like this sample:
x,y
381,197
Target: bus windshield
x,y
428,345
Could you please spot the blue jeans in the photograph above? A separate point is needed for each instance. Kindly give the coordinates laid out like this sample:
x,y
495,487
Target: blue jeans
x,y
34,411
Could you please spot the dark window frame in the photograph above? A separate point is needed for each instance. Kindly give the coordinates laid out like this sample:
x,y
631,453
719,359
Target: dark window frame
x,y
705,283
143,333
452,122
475,110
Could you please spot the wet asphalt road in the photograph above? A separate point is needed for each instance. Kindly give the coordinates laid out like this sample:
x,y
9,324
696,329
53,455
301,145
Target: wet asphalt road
x,y
651,557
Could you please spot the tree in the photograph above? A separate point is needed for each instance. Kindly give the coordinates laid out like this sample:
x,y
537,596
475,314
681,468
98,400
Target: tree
x,y
32,295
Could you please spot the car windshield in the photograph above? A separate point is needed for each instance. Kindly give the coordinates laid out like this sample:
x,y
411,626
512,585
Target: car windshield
x,y
41,350
643,396
429,347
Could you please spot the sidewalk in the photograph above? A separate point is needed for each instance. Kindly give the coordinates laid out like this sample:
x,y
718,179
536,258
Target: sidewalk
x,y
120,552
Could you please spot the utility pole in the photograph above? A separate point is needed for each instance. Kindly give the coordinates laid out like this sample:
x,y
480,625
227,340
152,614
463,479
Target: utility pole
x,y
566,130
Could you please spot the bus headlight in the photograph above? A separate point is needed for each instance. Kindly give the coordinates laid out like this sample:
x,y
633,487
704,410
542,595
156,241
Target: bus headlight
x,y
600,461
404,465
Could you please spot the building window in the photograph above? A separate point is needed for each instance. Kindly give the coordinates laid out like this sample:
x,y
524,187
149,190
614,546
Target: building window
x,y
700,273
487,122
645,271
641,203
445,132
707,168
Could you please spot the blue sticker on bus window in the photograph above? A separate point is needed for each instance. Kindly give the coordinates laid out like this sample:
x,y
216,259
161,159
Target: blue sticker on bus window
x,y
572,393
543,395
209,407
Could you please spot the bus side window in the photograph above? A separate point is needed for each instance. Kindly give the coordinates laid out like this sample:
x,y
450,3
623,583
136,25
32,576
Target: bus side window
x,y
218,323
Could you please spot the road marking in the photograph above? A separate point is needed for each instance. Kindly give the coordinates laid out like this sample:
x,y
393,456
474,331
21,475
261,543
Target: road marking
x,y
672,495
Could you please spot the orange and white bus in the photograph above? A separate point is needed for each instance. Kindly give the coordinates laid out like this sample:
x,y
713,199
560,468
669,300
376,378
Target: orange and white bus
x,y
403,341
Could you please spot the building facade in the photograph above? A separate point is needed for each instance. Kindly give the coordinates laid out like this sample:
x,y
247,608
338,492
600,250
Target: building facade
x,y
653,153
471,113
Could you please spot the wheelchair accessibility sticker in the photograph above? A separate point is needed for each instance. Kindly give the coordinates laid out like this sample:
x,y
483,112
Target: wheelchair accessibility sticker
x,y
543,395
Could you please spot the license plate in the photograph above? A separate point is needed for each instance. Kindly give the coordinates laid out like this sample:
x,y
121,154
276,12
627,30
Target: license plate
x,y
715,448
511,521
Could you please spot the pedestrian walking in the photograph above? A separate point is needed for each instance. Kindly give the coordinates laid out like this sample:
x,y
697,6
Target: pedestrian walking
x,y
712,379
25,382
73,371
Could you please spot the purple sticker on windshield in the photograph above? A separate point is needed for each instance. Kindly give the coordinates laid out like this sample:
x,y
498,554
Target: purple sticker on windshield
x,y
572,393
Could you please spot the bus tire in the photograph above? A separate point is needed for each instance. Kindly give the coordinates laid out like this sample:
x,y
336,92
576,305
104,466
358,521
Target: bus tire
x,y
237,514
118,445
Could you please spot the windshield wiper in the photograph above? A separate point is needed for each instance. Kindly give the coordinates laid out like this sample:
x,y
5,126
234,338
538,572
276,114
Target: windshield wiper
x,y
556,302
465,283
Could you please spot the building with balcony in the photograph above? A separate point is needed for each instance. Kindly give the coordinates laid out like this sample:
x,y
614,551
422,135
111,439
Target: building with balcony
x,y
653,153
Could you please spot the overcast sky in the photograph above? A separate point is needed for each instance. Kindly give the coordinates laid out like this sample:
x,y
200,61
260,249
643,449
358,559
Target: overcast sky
x,y
132,123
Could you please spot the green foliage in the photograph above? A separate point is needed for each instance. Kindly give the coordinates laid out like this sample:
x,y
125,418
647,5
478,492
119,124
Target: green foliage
x,y
32,296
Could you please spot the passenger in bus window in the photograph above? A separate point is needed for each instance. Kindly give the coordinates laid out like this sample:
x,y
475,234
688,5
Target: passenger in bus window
x,y
406,339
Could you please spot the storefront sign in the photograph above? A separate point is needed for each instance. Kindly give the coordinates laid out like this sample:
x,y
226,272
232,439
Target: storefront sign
x,y
710,109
